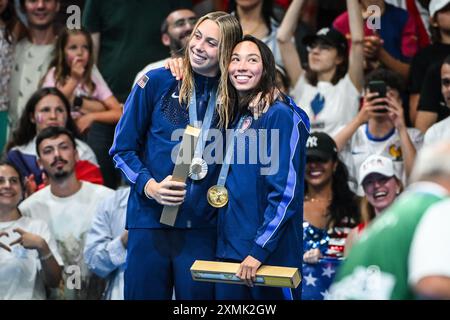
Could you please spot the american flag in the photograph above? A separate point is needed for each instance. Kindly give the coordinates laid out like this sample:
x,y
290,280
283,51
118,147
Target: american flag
x,y
142,81
317,278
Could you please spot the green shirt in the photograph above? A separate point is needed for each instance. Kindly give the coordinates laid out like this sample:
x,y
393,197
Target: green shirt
x,y
377,266
130,38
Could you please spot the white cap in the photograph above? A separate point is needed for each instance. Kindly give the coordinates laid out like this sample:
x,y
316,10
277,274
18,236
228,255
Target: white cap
x,y
376,164
436,5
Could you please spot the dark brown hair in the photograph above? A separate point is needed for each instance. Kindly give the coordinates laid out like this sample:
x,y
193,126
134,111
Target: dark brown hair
x,y
26,130
9,17
267,84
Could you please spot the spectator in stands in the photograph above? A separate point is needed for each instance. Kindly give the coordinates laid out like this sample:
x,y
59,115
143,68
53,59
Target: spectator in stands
x,y
381,186
71,71
32,54
394,44
379,128
331,209
175,32
68,206
28,254
9,33
329,89
106,243
425,103
47,107
404,253
441,130
257,18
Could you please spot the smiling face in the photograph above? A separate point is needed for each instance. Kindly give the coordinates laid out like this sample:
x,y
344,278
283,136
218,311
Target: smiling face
x,y
204,49
380,190
49,112
77,47
319,172
41,14
180,24
10,187
246,66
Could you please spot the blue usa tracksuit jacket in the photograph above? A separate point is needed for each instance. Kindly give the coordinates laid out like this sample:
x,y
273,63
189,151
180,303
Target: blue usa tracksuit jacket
x,y
142,150
143,146
264,215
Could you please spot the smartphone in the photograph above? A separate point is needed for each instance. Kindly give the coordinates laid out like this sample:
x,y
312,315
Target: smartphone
x,y
380,87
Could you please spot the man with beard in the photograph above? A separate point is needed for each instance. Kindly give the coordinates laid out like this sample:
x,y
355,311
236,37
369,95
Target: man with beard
x,y
175,31
68,206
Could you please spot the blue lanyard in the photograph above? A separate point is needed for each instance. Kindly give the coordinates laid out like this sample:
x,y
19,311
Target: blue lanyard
x,y
193,120
229,153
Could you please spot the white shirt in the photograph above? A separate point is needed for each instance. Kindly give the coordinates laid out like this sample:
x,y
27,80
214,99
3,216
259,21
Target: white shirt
x,y
429,254
69,219
31,63
438,132
20,270
340,107
104,252
362,145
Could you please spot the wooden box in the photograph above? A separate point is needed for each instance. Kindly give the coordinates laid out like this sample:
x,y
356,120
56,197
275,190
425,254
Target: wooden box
x,y
272,276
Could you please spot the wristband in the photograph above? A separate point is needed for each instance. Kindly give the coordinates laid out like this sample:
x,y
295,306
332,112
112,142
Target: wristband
x,y
46,257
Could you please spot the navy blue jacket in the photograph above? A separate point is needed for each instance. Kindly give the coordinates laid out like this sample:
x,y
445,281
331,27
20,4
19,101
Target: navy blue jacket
x,y
143,148
265,211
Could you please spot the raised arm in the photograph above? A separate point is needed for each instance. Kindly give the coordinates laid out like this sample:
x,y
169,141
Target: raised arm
x,y
356,63
289,52
96,42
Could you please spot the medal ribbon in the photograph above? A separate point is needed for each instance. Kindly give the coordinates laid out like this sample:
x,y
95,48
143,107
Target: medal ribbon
x,y
193,120
229,153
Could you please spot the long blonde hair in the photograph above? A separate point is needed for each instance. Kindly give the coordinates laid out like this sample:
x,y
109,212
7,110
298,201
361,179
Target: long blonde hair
x,y
230,33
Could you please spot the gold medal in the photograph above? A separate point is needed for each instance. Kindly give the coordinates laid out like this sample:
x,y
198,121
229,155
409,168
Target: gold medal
x,y
198,169
217,196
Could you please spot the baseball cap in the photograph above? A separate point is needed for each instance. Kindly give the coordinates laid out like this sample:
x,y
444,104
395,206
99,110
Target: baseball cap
x,y
436,5
376,164
321,145
329,35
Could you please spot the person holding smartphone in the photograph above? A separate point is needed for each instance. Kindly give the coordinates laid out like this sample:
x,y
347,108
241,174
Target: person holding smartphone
x,y
379,128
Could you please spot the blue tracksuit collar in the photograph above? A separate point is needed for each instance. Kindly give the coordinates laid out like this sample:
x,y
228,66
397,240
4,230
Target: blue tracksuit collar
x,y
204,84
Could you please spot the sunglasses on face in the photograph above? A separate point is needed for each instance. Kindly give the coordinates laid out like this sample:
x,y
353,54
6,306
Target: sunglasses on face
x,y
321,45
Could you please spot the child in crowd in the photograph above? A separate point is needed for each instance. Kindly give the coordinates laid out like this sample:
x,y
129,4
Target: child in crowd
x,y
72,71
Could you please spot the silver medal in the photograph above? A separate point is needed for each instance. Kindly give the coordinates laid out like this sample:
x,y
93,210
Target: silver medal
x,y
198,169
